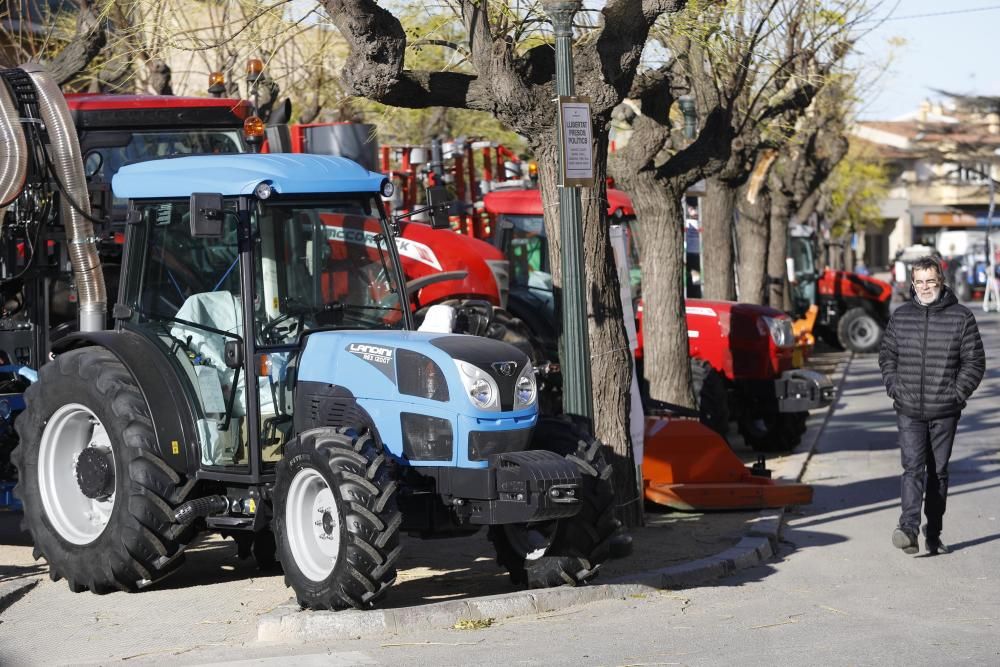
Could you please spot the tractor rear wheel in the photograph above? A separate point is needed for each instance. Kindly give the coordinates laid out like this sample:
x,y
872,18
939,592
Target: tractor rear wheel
x,y
567,551
858,331
712,395
335,519
98,498
774,432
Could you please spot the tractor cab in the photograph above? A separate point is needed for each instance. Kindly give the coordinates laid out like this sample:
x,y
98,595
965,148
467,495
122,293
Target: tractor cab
x,y
232,290
802,268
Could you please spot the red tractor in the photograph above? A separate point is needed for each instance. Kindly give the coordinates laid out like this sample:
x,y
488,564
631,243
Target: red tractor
x,y
742,354
852,310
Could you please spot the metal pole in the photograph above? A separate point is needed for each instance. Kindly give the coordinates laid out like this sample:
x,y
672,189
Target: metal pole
x,y
575,361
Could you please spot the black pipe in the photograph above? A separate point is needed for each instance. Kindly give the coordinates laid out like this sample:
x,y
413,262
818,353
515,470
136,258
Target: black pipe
x,y
199,507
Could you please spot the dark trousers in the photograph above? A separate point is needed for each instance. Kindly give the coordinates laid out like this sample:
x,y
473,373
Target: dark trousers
x,y
925,447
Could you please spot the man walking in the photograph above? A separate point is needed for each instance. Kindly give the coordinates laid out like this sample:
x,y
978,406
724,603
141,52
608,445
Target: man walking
x,y
932,360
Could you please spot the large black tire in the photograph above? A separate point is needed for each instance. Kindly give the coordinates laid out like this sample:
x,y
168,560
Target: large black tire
x,y
568,551
712,396
512,330
859,331
336,520
86,419
775,432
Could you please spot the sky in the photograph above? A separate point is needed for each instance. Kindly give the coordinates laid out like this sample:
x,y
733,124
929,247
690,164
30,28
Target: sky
x,y
954,49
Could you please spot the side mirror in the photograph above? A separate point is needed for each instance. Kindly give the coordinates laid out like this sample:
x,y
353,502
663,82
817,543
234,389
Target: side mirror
x,y
206,215
438,199
233,354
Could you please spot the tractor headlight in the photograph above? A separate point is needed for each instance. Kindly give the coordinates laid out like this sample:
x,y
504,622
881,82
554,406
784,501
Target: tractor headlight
x,y
525,389
780,329
481,388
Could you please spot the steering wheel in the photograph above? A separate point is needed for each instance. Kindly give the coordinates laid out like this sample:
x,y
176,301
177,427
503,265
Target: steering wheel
x,y
280,329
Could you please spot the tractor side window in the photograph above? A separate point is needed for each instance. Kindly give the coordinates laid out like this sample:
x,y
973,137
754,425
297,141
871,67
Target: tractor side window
x,y
528,253
189,297
802,255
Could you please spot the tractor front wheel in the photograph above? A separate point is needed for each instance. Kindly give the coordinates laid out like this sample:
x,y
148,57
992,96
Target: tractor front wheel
x,y
858,331
335,519
713,397
98,498
567,551
774,432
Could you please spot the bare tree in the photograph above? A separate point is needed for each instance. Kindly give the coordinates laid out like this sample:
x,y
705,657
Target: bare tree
x,y
794,46
515,81
657,166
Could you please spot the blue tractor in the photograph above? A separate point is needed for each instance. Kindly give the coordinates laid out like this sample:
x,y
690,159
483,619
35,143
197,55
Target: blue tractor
x,y
264,379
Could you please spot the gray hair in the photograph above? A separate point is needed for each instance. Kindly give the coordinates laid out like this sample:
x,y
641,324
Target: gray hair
x,y
926,263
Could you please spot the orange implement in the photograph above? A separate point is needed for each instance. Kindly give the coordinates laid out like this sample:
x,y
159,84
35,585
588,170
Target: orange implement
x,y
688,466
805,339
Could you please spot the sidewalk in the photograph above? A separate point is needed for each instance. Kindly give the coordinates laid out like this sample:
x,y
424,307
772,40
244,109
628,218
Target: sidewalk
x,y
440,583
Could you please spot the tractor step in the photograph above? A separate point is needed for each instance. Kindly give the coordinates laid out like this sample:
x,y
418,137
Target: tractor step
x,y
688,466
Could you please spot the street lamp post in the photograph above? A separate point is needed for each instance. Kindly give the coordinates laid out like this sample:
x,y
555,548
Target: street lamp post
x,y
575,342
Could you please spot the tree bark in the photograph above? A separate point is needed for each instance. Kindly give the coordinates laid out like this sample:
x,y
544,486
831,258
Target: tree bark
x,y
717,265
778,293
666,366
752,238
81,50
611,358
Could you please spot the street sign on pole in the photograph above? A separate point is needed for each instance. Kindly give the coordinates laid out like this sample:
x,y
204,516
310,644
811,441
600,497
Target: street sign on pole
x,y
575,139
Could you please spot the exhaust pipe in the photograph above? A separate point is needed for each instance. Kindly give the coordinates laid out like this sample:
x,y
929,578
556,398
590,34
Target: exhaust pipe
x,y
68,164
13,151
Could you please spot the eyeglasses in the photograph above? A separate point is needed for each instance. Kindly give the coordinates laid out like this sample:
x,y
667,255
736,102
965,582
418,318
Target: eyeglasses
x,y
926,283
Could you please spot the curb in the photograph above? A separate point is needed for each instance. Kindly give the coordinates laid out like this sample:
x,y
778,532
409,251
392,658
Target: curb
x,y
760,543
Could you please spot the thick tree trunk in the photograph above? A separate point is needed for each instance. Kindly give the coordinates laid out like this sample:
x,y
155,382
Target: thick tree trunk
x,y
779,295
717,275
753,220
611,363
666,367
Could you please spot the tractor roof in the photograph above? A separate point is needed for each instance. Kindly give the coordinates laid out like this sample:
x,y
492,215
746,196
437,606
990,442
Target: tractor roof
x,y
239,174
529,202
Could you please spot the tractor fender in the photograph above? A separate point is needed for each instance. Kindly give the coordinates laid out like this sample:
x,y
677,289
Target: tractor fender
x,y
171,410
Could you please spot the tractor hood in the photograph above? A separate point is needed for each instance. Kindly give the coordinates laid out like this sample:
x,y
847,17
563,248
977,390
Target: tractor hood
x,y
434,398
420,368
844,284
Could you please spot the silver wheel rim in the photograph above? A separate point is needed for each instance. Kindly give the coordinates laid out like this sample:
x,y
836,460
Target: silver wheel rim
x,y
862,332
313,525
77,518
531,540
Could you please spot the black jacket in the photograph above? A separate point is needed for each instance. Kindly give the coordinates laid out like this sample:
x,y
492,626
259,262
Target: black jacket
x,y
932,357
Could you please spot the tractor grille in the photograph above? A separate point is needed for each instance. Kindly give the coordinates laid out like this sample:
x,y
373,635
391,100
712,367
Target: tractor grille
x,y
484,443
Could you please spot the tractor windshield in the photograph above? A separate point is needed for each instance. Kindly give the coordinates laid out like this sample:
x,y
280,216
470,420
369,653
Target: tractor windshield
x,y
527,250
323,265
105,152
